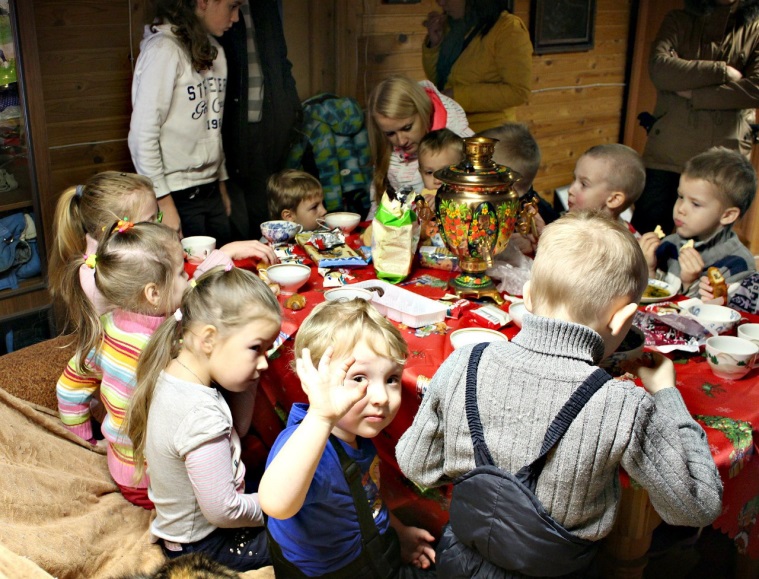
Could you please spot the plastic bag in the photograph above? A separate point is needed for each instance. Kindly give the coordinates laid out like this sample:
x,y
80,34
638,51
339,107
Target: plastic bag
x,y
512,268
395,235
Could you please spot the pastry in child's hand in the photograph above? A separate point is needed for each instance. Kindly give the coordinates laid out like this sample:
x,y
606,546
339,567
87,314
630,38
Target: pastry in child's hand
x,y
719,286
688,244
659,232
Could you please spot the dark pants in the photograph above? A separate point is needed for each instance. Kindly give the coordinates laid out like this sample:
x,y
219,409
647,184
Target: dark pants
x,y
239,549
657,202
202,212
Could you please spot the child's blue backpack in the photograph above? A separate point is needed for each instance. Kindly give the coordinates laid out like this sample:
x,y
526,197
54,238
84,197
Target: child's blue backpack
x,y
334,147
19,257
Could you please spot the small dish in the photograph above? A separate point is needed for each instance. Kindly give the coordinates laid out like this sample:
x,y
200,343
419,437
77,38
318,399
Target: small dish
x,y
280,231
198,247
467,336
289,276
347,293
716,319
657,291
346,221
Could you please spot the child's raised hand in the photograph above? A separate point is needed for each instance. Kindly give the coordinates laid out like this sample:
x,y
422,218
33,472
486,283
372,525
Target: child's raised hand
x,y
328,397
649,243
706,292
416,546
655,371
691,266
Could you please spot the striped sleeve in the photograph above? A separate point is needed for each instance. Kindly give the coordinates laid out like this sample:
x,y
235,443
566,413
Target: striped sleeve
x,y
75,391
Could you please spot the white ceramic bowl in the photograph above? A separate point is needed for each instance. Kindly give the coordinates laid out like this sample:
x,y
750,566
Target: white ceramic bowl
x,y
197,247
631,348
289,276
716,319
347,222
466,336
729,357
749,332
347,293
280,230
516,311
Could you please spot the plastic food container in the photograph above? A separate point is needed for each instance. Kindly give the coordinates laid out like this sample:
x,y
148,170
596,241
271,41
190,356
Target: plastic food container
x,y
401,305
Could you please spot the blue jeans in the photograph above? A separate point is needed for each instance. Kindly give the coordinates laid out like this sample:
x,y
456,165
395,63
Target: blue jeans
x,y
241,549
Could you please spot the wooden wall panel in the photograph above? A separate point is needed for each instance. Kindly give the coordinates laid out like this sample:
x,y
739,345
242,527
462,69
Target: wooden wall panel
x,y
86,52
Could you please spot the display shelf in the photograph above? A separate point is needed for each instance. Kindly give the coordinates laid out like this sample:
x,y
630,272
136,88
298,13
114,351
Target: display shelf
x,y
19,192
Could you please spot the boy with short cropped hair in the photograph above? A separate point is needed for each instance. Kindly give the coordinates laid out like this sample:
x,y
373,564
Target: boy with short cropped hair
x,y
587,279
438,150
716,188
517,149
607,178
296,196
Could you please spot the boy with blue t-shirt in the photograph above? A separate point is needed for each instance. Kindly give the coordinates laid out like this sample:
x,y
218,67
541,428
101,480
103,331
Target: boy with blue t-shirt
x,y
716,188
319,525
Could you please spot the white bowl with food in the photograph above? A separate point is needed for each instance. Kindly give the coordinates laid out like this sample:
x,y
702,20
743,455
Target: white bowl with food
x,y
658,291
290,277
347,293
716,319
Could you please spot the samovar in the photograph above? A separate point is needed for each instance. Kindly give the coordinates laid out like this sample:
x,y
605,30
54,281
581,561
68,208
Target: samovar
x,y
477,209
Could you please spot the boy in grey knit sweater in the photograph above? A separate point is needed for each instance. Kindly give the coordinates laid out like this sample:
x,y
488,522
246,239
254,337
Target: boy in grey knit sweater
x,y
587,279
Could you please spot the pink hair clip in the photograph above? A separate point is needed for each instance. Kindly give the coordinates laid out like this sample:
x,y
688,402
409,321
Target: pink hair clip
x,y
229,266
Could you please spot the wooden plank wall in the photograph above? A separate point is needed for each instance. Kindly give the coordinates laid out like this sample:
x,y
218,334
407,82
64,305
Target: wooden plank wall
x,y
577,99
85,52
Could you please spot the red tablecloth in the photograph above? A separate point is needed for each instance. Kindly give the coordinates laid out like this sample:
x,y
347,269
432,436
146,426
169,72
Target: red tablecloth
x,y
729,412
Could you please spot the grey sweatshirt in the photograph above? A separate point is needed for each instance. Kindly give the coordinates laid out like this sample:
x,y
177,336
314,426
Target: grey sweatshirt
x,y
521,386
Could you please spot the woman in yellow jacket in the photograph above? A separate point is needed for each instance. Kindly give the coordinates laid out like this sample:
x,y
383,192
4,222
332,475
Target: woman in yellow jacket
x,y
480,55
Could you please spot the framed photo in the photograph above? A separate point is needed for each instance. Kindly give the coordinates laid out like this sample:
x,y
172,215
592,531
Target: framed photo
x,y
562,25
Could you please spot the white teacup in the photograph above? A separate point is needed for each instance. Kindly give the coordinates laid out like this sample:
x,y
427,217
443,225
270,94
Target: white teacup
x,y
749,332
198,247
346,221
280,230
729,357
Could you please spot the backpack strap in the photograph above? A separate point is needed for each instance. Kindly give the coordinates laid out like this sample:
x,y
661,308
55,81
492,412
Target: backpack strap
x,y
528,474
370,537
481,451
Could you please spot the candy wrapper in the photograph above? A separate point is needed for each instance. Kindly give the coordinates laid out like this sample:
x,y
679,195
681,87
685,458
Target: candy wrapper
x,y
671,314
438,258
489,316
334,252
395,235
663,337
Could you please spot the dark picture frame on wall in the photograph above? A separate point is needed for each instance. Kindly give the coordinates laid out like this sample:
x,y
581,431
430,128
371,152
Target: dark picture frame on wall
x,y
562,25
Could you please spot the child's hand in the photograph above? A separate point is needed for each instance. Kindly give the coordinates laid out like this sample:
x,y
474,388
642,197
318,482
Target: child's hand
x,y
655,371
706,292
649,243
328,397
691,266
416,547
250,248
